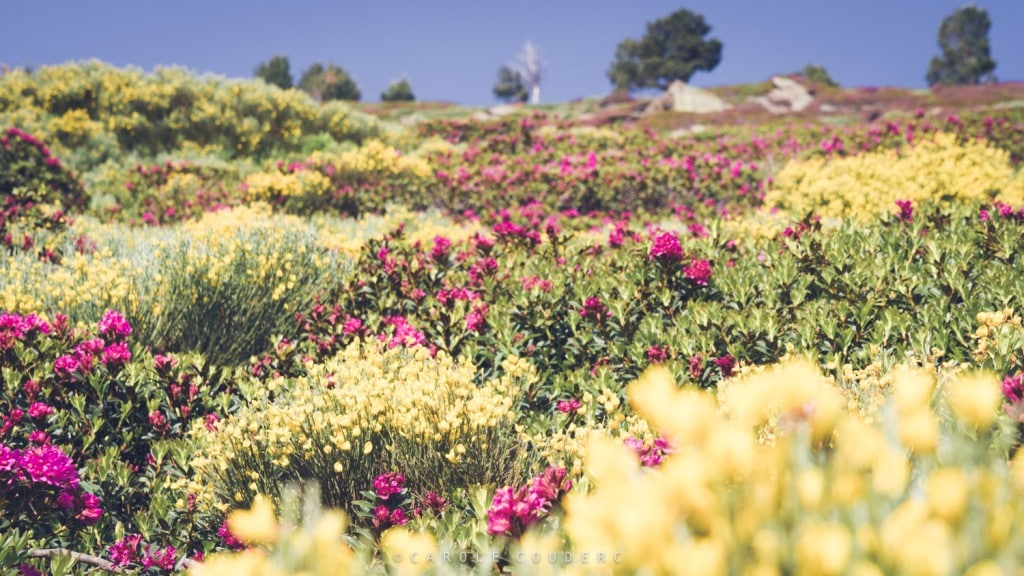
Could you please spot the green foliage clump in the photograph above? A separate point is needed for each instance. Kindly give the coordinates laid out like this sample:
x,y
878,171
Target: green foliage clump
x,y
35,187
398,91
818,75
965,58
276,71
330,82
510,86
673,48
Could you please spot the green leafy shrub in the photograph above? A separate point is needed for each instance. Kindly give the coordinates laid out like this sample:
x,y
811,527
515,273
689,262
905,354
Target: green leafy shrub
x,y
398,91
35,188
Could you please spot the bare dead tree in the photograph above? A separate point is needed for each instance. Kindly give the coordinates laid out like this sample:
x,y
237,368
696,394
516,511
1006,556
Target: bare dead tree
x,y
531,68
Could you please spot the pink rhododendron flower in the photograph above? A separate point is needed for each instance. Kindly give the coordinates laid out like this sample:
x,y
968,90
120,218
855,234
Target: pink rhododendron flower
x,y
49,465
651,453
114,325
696,366
126,550
435,502
657,354
116,355
512,511
442,246
698,271
388,484
231,542
594,308
65,366
666,248
405,334
39,410
164,559
352,326
158,421
726,364
906,210
567,406
477,318
164,364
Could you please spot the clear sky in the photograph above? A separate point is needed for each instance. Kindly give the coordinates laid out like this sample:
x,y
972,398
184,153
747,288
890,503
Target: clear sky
x,y
451,49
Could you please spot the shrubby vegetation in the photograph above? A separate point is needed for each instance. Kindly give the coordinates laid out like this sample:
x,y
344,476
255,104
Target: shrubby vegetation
x,y
398,91
91,113
672,48
498,339
965,58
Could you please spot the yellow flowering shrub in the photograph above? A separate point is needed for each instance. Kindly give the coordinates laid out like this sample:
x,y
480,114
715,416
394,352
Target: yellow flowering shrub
x,y
377,158
75,127
82,285
126,110
272,185
222,285
862,186
367,411
912,493
225,284
998,339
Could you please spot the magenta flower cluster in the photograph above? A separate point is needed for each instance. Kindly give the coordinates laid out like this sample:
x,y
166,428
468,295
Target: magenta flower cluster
x,y
405,334
442,246
113,326
666,248
448,296
1013,388
390,490
513,511
435,502
231,542
568,406
657,354
651,453
15,328
44,469
111,350
906,213
594,309
476,319
130,550
698,271
389,484
508,230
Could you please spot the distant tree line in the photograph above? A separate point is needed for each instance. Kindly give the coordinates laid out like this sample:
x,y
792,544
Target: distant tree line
x,y
325,82
672,48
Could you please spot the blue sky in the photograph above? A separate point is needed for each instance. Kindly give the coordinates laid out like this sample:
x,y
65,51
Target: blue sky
x,y
451,49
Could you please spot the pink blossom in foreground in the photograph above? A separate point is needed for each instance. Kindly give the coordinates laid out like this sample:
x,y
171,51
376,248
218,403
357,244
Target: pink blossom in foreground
x,y
666,248
567,406
386,485
114,325
698,271
906,213
477,318
512,511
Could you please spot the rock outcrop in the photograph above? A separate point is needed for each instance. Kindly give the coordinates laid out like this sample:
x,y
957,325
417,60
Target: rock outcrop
x,y
787,96
681,97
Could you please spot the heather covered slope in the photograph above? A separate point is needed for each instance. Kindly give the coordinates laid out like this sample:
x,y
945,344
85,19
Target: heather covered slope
x,y
273,337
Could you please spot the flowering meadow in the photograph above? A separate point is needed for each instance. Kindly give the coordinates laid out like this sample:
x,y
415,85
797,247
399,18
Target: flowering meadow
x,y
244,333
